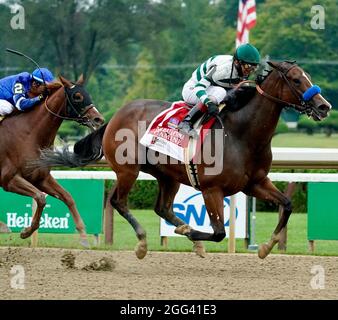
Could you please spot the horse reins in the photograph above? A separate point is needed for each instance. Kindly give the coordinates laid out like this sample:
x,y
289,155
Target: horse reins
x,y
280,101
302,107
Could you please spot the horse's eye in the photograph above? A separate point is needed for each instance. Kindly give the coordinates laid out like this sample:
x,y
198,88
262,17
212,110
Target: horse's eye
x,y
78,97
296,82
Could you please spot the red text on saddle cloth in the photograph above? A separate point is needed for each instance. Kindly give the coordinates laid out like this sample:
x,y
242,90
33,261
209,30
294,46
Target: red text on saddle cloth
x,y
165,126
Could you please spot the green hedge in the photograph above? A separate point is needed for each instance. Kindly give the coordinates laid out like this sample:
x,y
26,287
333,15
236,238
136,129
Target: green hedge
x,y
144,193
281,127
299,199
142,196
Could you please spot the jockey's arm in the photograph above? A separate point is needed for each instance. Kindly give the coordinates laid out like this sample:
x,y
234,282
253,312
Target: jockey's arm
x,y
202,86
21,102
200,89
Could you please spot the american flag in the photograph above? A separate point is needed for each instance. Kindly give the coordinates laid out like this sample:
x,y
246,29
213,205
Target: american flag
x,y
246,20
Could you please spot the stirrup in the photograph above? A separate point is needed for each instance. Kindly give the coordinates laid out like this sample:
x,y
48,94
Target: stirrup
x,y
187,129
193,133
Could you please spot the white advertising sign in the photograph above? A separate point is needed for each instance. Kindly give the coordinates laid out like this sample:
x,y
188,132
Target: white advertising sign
x,y
189,206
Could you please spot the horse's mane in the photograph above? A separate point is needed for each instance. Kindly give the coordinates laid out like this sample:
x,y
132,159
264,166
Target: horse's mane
x,y
245,93
243,96
53,86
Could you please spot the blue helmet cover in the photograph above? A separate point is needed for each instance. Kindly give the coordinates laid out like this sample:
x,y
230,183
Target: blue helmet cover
x,y
42,74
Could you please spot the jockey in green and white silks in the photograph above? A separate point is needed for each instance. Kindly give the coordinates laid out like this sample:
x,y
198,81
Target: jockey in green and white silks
x,y
211,78
211,82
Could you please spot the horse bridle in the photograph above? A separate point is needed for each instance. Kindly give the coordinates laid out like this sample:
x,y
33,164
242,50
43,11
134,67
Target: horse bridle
x,y
71,109
303,105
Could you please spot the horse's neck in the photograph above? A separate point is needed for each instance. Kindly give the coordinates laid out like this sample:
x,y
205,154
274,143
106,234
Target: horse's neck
x,y
259,118
45,124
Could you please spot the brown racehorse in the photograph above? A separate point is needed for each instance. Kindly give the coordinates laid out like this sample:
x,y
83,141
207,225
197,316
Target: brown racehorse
x,y
24,134
246,154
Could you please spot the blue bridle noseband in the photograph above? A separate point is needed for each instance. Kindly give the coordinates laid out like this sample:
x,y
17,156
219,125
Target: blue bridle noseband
x,y
311,92
304,98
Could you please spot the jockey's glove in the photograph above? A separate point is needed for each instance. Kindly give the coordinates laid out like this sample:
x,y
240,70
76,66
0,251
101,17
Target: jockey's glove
x,y
212,108
44,94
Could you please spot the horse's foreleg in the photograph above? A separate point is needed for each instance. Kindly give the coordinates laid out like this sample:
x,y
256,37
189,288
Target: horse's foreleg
x,y
52,187
213,199
21,186
266,190
164,208
118,200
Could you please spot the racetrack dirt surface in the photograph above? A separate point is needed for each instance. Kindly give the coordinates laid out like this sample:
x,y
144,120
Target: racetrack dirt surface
x,y
161,275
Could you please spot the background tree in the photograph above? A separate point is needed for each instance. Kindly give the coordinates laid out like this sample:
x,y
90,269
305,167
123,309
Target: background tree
x,y
146,84
284,32
106,40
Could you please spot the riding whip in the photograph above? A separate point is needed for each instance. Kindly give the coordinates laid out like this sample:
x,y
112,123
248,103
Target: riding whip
x,y
30,59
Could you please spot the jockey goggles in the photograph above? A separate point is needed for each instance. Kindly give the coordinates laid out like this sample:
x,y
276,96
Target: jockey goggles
x,y
249,67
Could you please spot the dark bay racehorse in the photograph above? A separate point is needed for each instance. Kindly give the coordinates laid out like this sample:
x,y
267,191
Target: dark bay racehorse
x,y
245,144
23,135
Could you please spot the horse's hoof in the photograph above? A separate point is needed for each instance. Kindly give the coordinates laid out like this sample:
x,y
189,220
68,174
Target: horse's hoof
x,y
199,249
141,249
263,250
183,229
84,243
26,233
4,228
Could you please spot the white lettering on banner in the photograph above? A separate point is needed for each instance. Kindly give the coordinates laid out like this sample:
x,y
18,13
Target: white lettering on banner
x,y
20,222
189,206
46,221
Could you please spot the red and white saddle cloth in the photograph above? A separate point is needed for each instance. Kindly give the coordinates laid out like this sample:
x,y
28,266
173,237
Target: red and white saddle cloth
x,y
163,136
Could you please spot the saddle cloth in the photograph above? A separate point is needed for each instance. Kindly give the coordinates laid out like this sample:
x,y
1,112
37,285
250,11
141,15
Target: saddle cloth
x,y
163,136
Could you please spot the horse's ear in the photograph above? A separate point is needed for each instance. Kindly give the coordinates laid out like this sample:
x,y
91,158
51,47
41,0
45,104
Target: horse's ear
x,y
81,80
65,82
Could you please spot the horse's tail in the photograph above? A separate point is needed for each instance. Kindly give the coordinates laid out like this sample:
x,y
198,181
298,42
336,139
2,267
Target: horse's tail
x,y
87,150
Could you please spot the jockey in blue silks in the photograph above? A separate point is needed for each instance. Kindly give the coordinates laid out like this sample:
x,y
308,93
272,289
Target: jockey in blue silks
x,y
14,90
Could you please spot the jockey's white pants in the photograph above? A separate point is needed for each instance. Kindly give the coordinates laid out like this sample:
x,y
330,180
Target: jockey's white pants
x,y
5,107
215,93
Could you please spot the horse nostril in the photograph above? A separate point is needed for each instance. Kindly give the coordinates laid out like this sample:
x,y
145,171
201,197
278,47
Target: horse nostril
x,y
324,107
98,120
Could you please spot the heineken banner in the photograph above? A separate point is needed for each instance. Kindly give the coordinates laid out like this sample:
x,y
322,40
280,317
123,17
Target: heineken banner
x,y
16,210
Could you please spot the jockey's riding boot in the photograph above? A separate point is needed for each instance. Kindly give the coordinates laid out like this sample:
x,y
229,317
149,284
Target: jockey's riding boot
x,y
186,125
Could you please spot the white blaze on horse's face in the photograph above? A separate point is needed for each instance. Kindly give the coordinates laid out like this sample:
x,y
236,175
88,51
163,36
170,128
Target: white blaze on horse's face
x,y
95,109
307,78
